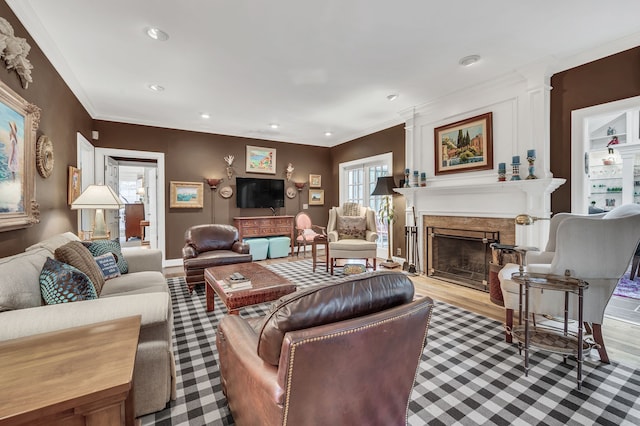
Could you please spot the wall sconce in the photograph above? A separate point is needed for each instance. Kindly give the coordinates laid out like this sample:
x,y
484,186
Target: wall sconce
x,y
229,160
213,183
289,172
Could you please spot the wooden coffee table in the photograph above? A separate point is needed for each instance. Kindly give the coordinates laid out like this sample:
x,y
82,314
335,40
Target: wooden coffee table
x,y
265,286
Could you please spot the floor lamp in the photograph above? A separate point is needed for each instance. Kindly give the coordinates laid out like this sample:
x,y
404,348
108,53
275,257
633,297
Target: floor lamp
x,y
384,187
213,185
98,197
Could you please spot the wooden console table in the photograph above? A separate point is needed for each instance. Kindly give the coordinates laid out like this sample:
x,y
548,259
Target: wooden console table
x,y
81,375
265,226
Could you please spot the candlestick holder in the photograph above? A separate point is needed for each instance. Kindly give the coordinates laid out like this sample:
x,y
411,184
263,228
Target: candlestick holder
x,y
531,175
516,171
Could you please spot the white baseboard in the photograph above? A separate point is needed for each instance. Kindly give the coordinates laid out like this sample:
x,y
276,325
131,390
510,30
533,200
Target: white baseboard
x,y
168,263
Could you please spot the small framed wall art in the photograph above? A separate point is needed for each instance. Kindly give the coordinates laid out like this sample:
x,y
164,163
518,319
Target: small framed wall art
x,y
316,197
315,181
261,160
74,185
186,195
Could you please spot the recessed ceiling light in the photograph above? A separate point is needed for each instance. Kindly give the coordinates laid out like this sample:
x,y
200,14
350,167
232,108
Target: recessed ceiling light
x,y
205,115
328,134
392,97
156,87
274,125
469,60
156,33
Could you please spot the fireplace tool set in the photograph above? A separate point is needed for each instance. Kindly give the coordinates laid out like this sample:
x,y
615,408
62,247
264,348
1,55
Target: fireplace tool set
x,y
412,265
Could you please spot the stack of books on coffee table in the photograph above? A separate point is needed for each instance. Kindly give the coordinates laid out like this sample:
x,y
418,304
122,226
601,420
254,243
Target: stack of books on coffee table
x,y
236,281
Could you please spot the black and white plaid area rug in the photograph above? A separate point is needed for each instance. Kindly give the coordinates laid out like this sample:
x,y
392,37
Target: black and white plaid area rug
x,y
468,374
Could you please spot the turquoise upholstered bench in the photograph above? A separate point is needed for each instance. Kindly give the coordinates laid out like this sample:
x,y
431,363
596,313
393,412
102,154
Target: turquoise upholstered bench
x,y
258,247
279,247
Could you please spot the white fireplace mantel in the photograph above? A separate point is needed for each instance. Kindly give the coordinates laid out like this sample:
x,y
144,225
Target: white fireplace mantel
x,y
483,199
479,198
534,186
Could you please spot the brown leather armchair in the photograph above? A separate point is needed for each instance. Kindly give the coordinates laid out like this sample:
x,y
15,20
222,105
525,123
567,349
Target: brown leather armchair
x,y
344,353
211,245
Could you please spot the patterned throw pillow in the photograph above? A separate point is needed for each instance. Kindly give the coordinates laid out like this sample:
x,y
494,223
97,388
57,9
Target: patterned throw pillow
x,y
62,283
351,209
75,254
100,247
352,227
108,266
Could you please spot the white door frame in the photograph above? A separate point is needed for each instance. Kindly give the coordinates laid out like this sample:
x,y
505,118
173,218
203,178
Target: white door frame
x,y
86,164
100,155
580,145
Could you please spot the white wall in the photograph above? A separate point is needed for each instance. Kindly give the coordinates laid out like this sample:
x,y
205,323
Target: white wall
x,y
520,103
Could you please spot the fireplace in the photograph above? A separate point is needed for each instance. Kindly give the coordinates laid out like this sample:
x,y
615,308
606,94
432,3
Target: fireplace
x,y
487,209
460,256
458,249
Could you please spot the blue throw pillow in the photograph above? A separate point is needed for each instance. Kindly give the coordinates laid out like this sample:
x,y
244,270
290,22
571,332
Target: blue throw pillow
x,y
62,283
100,247
108,266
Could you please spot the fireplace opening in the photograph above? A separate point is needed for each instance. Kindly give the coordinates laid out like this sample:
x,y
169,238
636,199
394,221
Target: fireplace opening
x,y
460,256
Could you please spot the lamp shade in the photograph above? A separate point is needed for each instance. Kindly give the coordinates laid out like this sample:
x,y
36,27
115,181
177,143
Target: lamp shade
x,y
97,197
385,186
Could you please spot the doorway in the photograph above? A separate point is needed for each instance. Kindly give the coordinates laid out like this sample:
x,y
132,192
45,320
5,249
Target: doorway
x,y
136,187
605,173
153,166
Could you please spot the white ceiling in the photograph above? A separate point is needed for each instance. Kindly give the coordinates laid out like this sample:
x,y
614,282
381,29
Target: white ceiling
x,y
309,65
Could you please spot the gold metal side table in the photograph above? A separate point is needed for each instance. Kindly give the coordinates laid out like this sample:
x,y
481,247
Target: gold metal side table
x,y
548,338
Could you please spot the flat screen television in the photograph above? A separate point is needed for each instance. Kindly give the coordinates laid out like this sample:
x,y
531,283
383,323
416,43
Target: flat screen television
x,y
253,193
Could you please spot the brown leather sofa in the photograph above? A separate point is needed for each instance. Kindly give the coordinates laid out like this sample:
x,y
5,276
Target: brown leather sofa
x,y
211,245
342,354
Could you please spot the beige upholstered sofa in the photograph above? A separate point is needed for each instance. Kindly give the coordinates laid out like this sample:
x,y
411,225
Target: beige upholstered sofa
x,y
142,291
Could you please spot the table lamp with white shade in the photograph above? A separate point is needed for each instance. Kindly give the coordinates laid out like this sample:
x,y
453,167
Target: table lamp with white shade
x,y
98,197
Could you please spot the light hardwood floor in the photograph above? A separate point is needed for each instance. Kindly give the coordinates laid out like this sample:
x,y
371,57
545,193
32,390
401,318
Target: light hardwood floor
x,y
622,339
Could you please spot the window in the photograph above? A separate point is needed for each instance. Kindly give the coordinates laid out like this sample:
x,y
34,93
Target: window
x,y
358,180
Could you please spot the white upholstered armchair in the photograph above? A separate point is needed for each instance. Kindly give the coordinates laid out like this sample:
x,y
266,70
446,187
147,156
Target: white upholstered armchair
x,y
594,248
352,237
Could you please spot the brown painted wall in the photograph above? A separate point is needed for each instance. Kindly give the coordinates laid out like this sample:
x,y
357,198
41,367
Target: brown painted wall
x,y
388,140
62,116
609,79
193,156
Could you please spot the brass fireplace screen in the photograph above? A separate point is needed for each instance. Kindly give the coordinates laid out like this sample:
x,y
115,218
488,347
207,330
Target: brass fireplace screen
x,y
460,256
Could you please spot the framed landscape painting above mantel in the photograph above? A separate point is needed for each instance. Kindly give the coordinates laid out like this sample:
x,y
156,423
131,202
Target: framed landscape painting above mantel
x,y
465,145
19,122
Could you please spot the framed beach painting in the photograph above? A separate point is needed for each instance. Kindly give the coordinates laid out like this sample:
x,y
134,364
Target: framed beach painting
x,y
465,145
186,195
18,125
261,160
